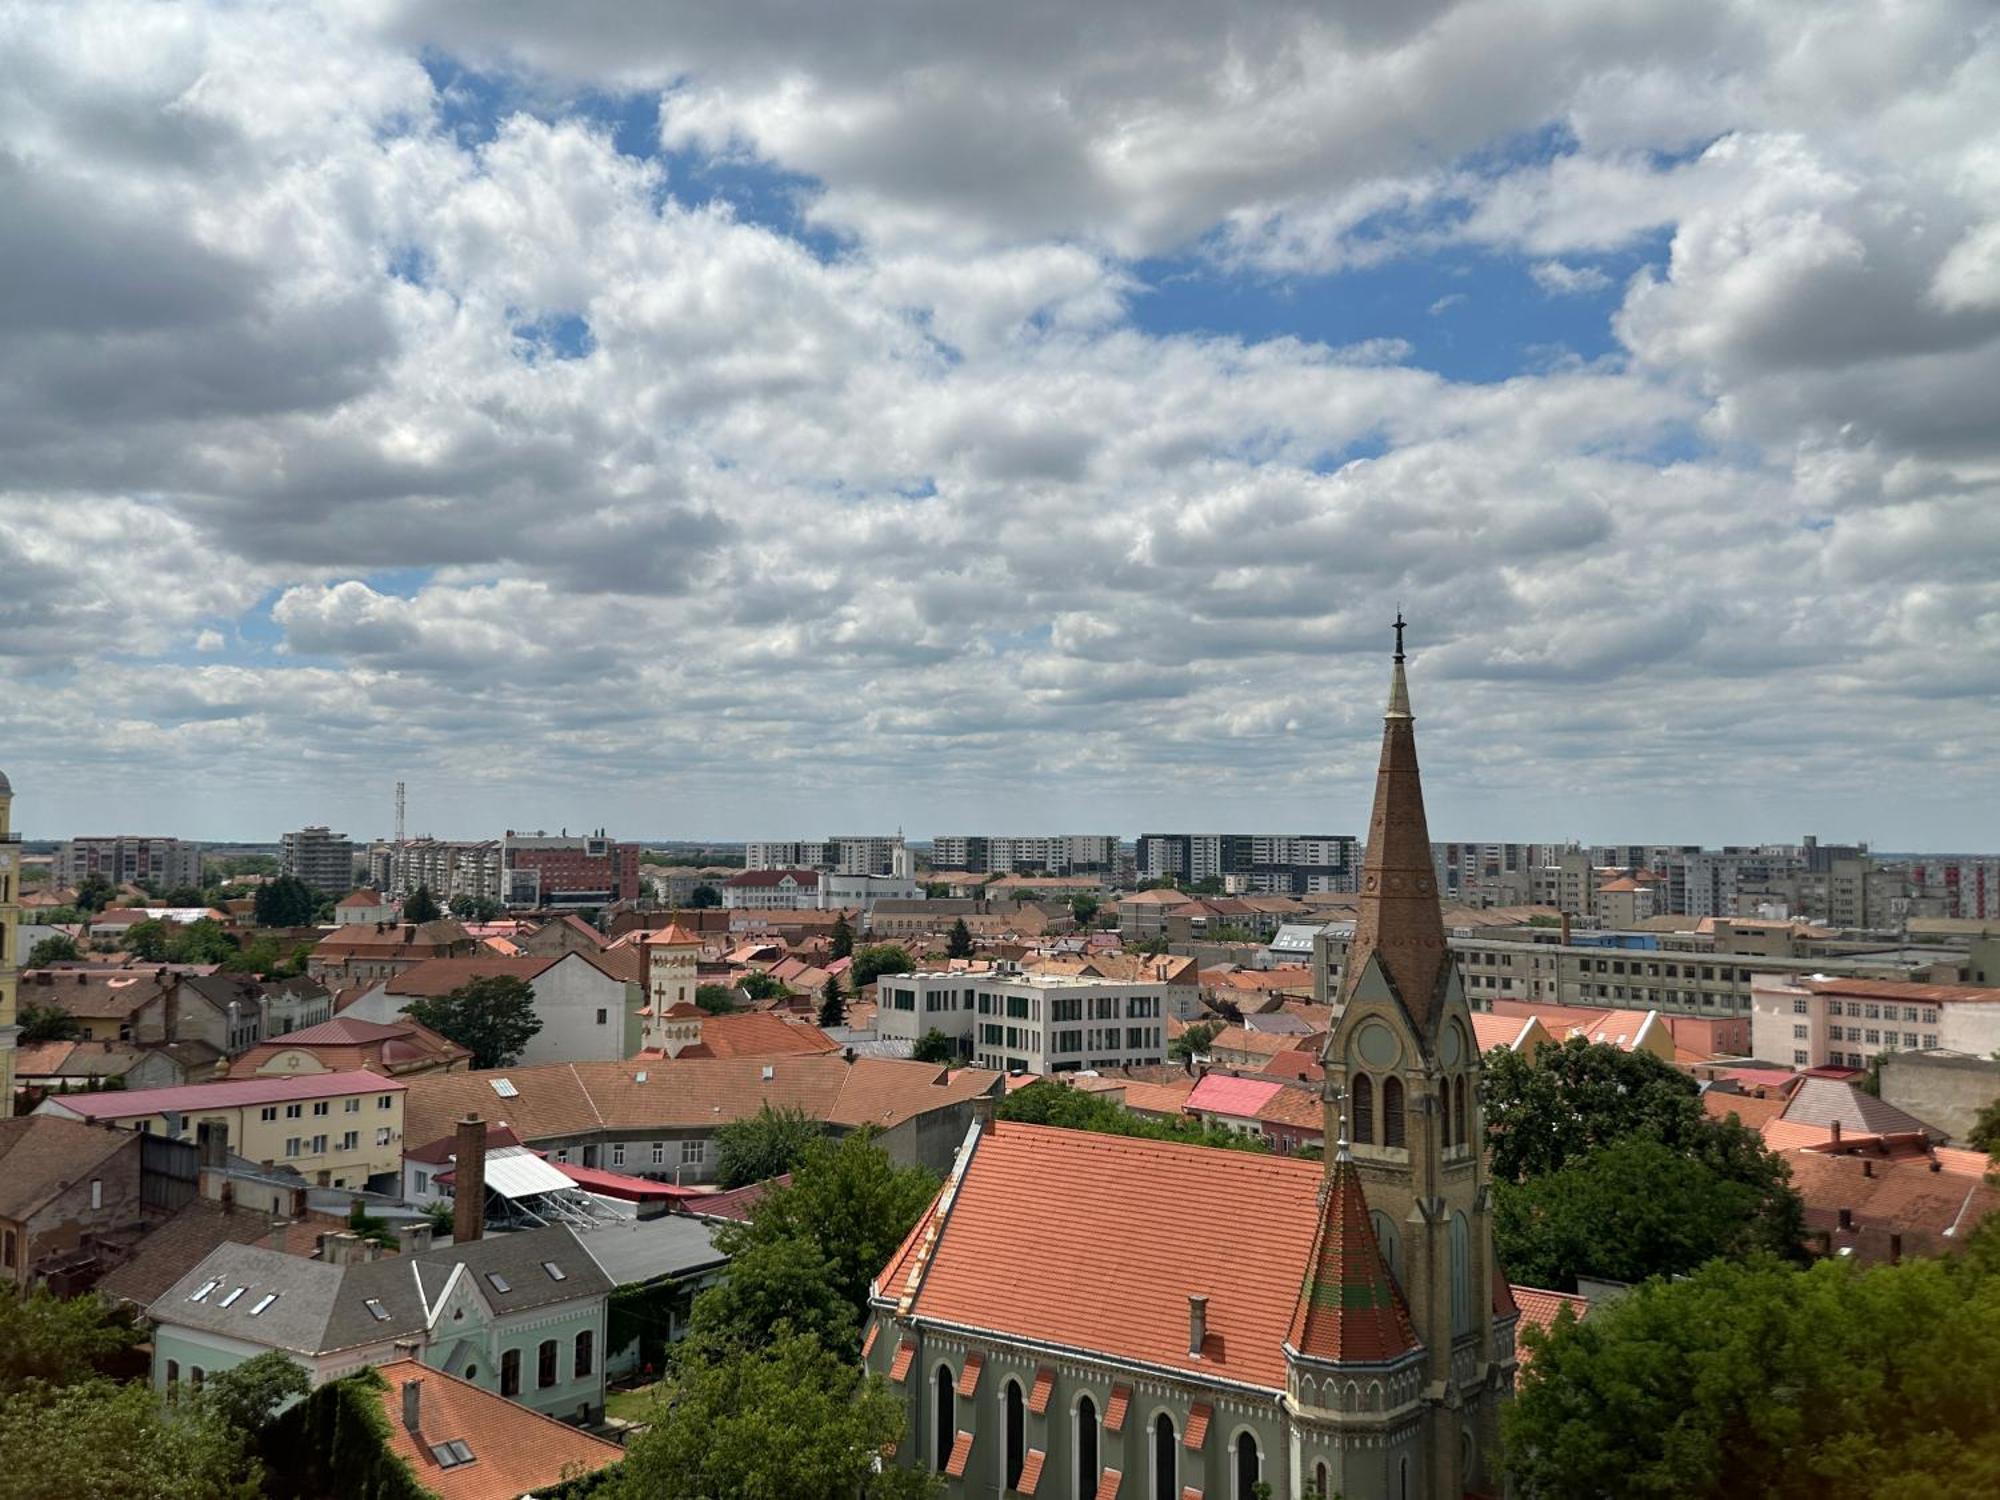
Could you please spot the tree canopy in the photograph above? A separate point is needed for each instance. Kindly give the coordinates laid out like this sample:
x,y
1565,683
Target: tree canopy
x,y
492,1016
48,1023
704,896
716,999
1763,1379
61,948
286,902
764,1145
247,1395
475,908
832,1003
842,937
877,959
959,944
780,1286
790,1418
61,1341
421,906
934,1047
1194,1040
119,1442
1048,1102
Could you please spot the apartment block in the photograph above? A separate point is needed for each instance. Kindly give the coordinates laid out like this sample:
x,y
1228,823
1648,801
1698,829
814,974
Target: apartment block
x,y
1810,1020
1959,887
446,867
320,857
842,854
1268,863
121,857
541,870
1034,1023
1002,854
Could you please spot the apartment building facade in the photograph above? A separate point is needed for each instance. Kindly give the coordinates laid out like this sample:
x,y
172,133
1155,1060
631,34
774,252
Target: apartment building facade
x,y
1815,1021
841,854
1034,1023
545,870
447,868
124,857
320,857
1274,864
1004,854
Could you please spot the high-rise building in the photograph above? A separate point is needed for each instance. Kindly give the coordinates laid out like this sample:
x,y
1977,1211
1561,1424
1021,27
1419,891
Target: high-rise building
x,y
1004,854
121,857
842,854
321,858
1270,863
10,939
539,869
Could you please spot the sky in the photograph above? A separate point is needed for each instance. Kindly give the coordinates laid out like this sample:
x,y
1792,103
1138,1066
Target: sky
x,y
767,420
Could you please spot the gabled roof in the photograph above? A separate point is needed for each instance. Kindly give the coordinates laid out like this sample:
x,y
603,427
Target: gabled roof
x,y
1825,1102
515,1450
1349,1310
1222,1094
233,1093
41,1156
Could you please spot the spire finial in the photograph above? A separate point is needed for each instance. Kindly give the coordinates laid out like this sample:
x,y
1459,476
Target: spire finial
x,y
1399,632
1340,1152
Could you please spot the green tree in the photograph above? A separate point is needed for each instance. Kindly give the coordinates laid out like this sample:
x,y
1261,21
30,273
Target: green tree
x,y
148,940
763,987
1049,1102
704,896
848,1198
959,945
781,1286
493,1016
1569,1099
1194,1040
119,1442
60,1341
53,950
1083,906
716,999
789,1419
832,1003
285,902
1761,1379
764,1145
934,1047
94,893
202,941
421,906
246,1396
878,959
843,937
469,908
1985,1133
48,1023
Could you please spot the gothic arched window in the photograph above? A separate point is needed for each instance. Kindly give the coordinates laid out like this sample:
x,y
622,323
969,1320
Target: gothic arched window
x,y
1362,1106
1017,1433
1459,1115
1166,1460
1461,1274
1248,1469
1086,1449
947,1417
1392,1111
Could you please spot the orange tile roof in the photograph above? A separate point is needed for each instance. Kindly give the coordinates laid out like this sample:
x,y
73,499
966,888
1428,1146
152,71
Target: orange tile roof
x,y
759,1033
1031,1471
1108,1481
1190,1492
1038,1398
1301,1109
868,1339
1197,1424
515,1451
899,1368
1748,1109
1350,1308
1539,1309
1302,1066
440,976
1156,1098
961,1454
968,1375
1114,1410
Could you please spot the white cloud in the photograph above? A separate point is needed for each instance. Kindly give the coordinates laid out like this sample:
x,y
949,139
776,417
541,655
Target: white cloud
x,y
1560,280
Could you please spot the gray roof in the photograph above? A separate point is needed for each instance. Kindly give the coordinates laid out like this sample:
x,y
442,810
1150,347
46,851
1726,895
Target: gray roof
x,y
1830,1101
317,1308
635,1251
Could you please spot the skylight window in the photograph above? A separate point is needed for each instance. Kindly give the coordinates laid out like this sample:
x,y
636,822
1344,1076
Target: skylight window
x,y
504,1087
556,1272
499,1281
263,1302
452,1454
234,1293
206,1287
376,1310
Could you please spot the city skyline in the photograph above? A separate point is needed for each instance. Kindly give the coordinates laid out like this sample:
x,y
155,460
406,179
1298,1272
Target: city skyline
x,y
741,423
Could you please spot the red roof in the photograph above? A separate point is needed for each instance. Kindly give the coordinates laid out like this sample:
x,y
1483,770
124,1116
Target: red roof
x,y
618,1185
1539,1309
1222,1094
120,1105
968,1376
1350,1308
515,1451
1031,1471
899,1367
1038,1397
1197,1424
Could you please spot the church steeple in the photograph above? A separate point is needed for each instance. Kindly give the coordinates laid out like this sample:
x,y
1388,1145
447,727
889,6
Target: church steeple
x,y
1399,924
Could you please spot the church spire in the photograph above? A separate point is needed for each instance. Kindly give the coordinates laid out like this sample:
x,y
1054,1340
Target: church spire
x,y
1399,924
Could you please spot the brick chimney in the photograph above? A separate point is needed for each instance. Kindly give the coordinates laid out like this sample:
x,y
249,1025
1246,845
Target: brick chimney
x,y
468,1192
1197,1323
1836,1135
413,1406
414,1239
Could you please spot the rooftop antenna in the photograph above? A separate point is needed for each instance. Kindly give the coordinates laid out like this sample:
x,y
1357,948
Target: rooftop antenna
x,y
399,815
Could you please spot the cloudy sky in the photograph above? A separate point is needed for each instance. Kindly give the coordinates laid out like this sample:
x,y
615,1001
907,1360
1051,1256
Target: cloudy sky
x,y
762,419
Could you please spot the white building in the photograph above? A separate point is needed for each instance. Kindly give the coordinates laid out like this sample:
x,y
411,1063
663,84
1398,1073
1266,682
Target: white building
x,y
842,854
849,892
320,857
1004,854
1033,1023
1812,1021
588,1013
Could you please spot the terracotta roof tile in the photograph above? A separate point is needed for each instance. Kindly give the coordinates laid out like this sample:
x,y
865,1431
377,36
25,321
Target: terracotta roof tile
x,y
1038,1398
1108,1481
868,1339
1349,1308
1197,1424
1300,1109
1190,1492
899,1367
1748,1109
961,1454
515,1451
1031,1471
440,976
1539,1309
968,1376
1114,1410
1222,1094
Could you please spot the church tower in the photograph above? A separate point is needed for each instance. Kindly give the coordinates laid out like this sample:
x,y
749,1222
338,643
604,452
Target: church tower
x,y
1402,1090
10,939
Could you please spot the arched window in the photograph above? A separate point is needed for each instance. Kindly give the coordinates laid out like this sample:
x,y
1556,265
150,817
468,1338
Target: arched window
x,y
1392,1111
1389,1241
947,1414
1017,1434
1320,1491
1166,1460
1403,1480
1248,1469
1459,1115
1086,1449
1461,1274
1361,1125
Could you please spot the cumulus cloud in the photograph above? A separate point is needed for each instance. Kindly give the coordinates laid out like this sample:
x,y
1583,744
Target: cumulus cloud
x,y
474,443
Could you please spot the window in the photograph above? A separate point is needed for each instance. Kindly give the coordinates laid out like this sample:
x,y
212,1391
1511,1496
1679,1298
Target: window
x,y
1874,1035
1392,1111
195,1376
319,1145
173,1372
293,1111
1087,1464
321,1107
1930,1040
97,1192
382,1136
452,1454
1016,1453
545,1365
353,1106
1800,1033
510,1373
351,1141
1362,1126
603,1015
1248,1468
586,1353
1461,1275
659,1153
268,1112
1799,1058
1930,1016
384,1101
691,1153
1166,1461
1799,1008
617,1153
498,1282
291,1145
376,1310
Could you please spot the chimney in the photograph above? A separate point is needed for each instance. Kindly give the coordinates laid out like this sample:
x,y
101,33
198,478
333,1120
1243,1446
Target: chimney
x,y
982,1113
468,1193
413,1406
228,1196
1847,1218
278,1228
1836,1135
212,1136
414,1239
1936,1165
1197,1323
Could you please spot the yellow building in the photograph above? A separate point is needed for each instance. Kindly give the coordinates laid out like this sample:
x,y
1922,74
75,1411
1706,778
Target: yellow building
x,y
10,938
337,1129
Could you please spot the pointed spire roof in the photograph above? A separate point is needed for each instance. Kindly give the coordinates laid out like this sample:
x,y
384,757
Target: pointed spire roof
x,y
1350,1310
1399,922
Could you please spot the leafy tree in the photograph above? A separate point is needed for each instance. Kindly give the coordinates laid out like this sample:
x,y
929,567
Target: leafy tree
x,y
493,1016
148,940
843,937
763,987
1194,1041
764,1145
788,1419
246,1396
934,1047
1048,1102
469,908
186,895
847,1197
959,945
1761,1379
832,1003
704,896
285,902
119,1442
1083,906
877,959
62,1342
94,893
202,941
1985,1133
716,999
53,950
48,1023
421,906
779,1287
